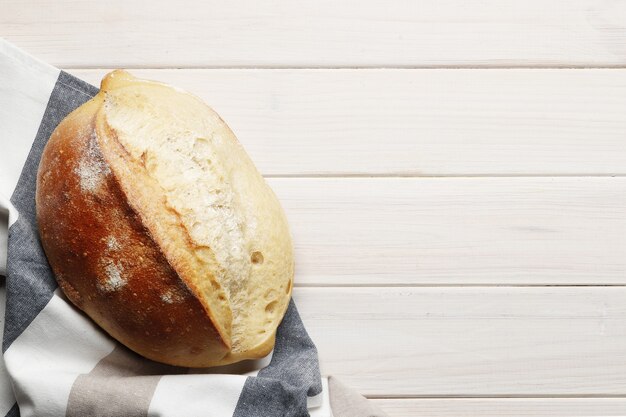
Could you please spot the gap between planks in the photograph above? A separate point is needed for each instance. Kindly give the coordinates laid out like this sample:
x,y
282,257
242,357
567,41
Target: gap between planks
x,y
360,67
495,396
452,285
419,175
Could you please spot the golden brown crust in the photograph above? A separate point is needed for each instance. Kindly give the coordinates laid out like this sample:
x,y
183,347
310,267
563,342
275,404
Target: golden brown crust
x,y
159,227
105,259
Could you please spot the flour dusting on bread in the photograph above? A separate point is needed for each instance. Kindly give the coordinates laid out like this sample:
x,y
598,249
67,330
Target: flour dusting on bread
x,y
92,168
112,280
112,243
170,297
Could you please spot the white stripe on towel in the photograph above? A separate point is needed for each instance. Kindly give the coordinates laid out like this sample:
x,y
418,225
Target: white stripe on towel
x,y
46,358
25,88
191,395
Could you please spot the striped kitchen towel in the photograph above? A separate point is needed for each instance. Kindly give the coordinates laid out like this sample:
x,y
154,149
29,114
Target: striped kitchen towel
x,y
56,362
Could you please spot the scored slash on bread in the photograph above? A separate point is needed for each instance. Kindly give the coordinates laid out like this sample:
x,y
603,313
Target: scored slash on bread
x,y
159,227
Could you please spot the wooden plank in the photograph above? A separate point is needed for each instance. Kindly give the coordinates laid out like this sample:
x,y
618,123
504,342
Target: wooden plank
x,y
501,407
418,122
439,231
325,33
472,341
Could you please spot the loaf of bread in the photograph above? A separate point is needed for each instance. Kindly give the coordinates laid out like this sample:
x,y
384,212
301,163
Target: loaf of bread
x,y
159,227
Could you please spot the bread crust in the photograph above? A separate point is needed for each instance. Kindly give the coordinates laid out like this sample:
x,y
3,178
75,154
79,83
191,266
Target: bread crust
x,y
122,255
105,260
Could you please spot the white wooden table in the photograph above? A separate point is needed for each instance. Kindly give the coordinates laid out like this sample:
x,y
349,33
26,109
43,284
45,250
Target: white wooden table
x,y
454,173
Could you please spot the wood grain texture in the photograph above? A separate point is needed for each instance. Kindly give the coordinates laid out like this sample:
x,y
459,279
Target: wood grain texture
x,y
501,407
324,33
441,231
418,122
470,341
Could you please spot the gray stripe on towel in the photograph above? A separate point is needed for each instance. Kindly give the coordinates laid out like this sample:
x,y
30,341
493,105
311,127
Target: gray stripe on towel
x,y
293,375
30,283
14,411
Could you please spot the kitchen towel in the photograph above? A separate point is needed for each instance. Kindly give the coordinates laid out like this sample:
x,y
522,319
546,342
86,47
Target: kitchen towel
x,y
57,362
